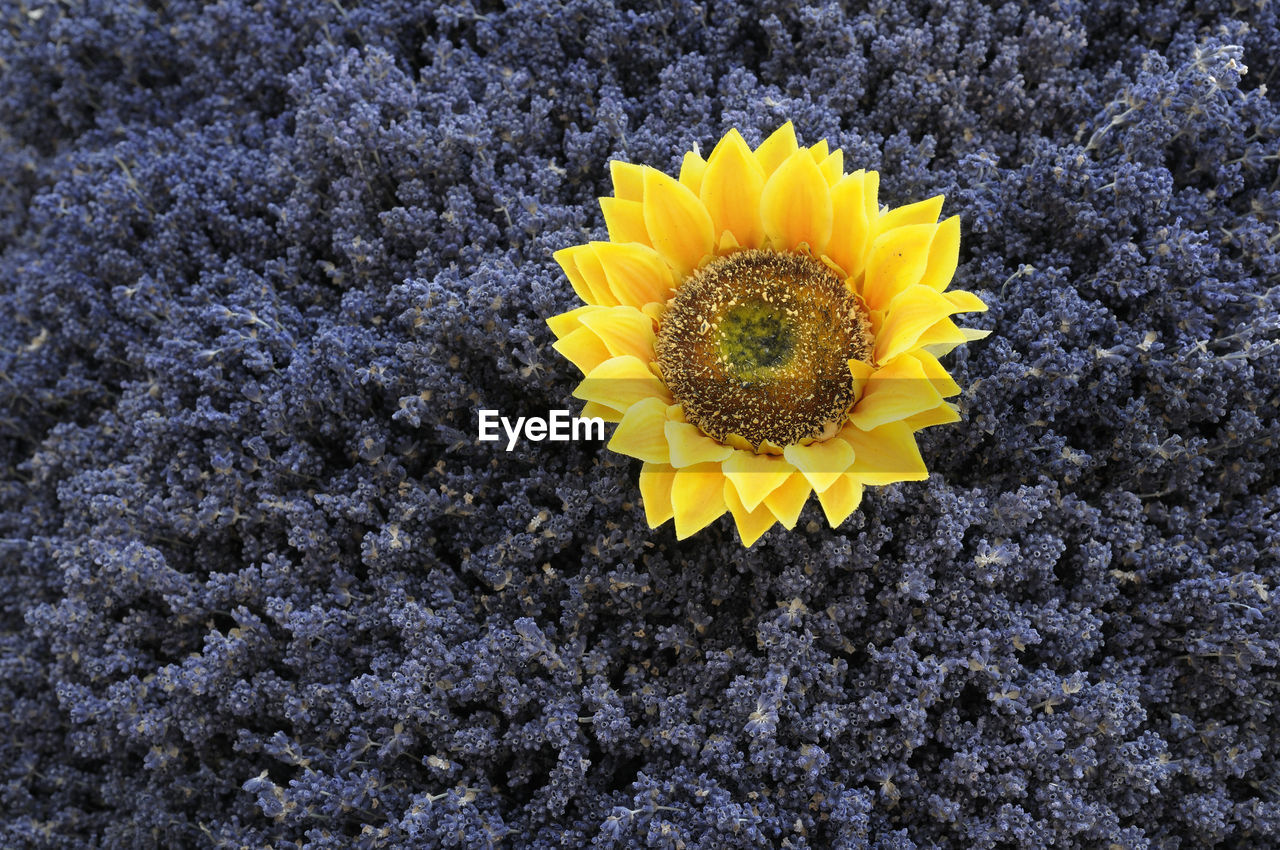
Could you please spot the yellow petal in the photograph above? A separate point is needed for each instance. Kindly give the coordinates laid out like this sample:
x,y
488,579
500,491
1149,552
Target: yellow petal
x,y
937,373
621,382
862,373
943,331
870,195
776,149
896,261
697,497
821,463
583,349
885,455
965,302
640,432
944,254
819,151
751,524
583,270
832,167
921,212
692,168
628,180
944,348
841,499
795,205
654,311
848,224
941,415
788,500
756,476
688,446
593,409
876,318
625,220
623,330
655,489
727,244
566,323
898,390
677,222
731,191
636,274
911,313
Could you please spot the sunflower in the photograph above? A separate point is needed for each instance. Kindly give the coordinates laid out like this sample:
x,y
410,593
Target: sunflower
x,y
761,329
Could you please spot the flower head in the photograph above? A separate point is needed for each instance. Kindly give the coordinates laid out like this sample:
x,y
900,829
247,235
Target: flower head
x,y
761,329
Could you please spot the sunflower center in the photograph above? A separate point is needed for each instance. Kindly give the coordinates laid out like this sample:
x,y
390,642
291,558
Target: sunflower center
x,y
754,336
756,345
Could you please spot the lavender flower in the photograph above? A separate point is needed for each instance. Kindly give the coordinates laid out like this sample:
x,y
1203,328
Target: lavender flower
x,y
260,584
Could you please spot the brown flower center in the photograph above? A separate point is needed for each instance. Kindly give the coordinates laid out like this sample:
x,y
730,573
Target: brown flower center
x,y
756,345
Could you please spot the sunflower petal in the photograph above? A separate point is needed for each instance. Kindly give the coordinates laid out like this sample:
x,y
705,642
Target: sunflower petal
x,y
727,244
870,195
625,220
640,432
583,270
636,274
751,524
819,150
897,390
841,499
566,323
677,222
583,349
941,349
655,489
938,375
943,414
688,446
692,167
942,332
884,455
876,318
910,314
788,499
821,463
628,180
848,224
594,409
697,497
731,190
621,382
921,212
795,205
623,330
896,261
832,167
944,255
756,476
776,149
965,302
862,373
654,310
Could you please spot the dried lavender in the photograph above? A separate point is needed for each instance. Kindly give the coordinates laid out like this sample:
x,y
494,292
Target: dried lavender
x,y
262,263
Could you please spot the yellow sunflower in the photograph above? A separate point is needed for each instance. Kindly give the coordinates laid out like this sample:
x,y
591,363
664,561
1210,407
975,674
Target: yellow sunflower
x,y
761,329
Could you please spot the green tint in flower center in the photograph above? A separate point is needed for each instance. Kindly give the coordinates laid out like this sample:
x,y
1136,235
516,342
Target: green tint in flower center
x,y
756,345
755,336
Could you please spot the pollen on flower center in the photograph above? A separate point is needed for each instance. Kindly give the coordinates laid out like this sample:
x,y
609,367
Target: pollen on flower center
x,y
756,346
755,335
